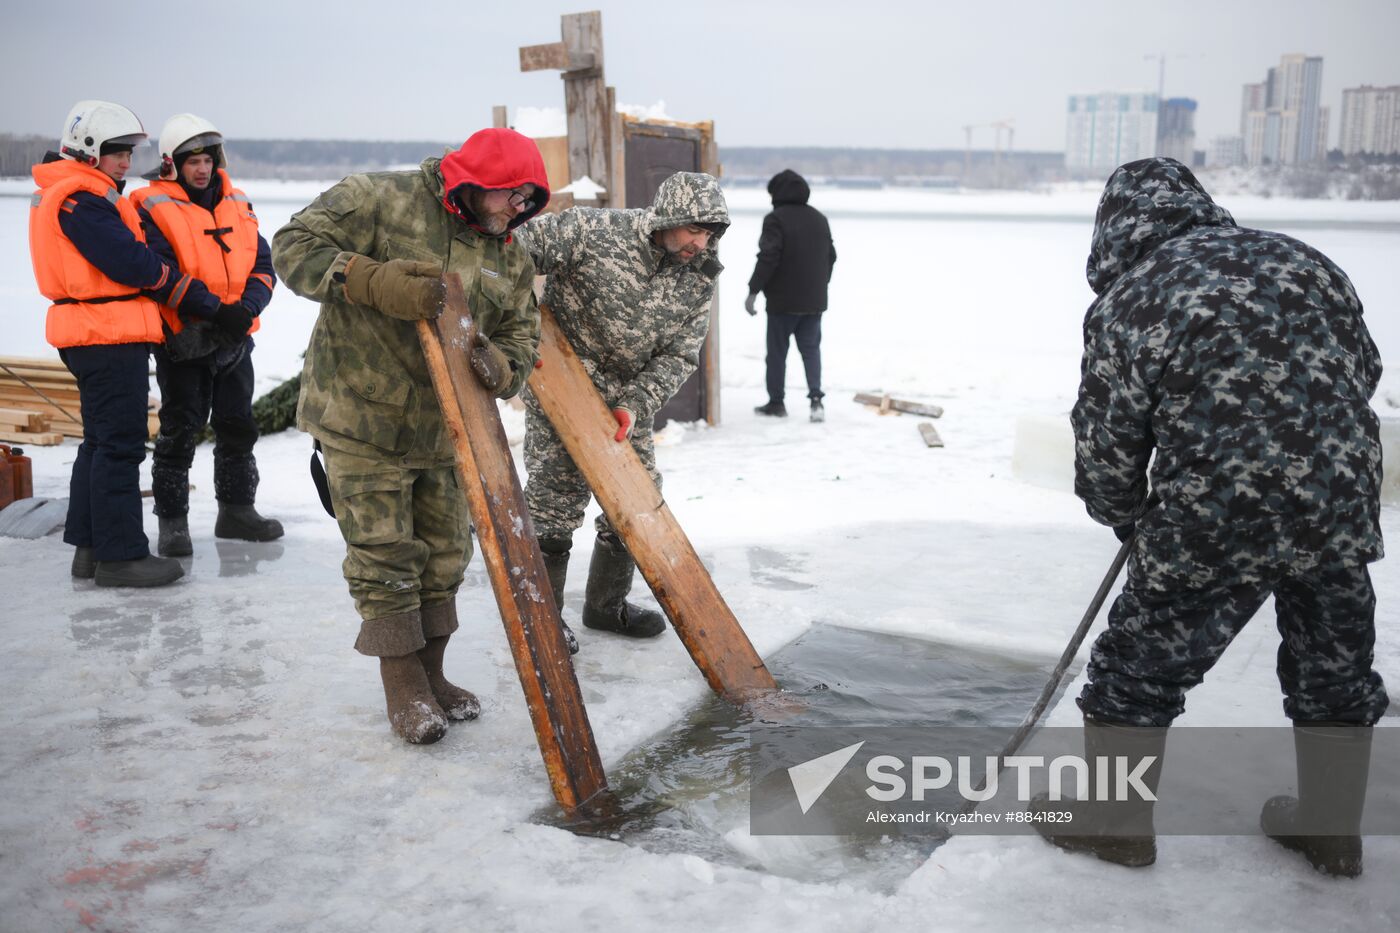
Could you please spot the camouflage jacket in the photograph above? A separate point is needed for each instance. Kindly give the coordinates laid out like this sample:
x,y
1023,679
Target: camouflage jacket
x,y
365,387
1240,357
635,317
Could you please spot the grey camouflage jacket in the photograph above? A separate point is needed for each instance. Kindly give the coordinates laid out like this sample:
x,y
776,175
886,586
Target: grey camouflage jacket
x,y
365,386
635,317
1240,357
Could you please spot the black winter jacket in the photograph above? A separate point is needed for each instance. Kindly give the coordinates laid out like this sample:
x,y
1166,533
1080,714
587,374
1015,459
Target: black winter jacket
x,y
795,252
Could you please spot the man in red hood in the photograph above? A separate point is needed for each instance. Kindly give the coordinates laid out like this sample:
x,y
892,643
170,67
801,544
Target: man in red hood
x,y
372,250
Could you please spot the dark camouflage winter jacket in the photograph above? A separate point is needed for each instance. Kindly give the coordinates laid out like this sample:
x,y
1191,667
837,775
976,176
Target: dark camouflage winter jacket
x,y
1241,358
636,317
365,386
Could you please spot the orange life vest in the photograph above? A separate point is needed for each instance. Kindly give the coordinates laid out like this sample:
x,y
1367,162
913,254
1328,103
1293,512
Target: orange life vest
x,y
218,248
88,307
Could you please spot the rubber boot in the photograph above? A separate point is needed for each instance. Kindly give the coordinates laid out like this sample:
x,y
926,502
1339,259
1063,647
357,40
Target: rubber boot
x,y
604,601
1115,831
413,710
84,564
459,704
772,410
818,414
556,563
244,523
147,571
1324,821
174,540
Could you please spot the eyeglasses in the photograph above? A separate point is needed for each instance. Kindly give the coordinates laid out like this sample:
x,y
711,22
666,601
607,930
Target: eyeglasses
x,y
521,201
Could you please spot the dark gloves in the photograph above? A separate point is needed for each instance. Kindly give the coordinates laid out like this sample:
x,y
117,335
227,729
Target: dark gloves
x,y
749,303
400,288
490,365
233,321
1124,532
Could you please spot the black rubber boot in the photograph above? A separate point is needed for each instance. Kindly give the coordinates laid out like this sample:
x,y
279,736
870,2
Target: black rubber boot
x,y
605,606
772,410
1115,831
818,411
244,523
148,571
84,564
1324,821
413,711
556,563
174,540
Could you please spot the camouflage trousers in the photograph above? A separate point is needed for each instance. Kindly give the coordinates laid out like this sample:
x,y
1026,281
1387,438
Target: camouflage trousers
x,y
1160,643
407,543
556,492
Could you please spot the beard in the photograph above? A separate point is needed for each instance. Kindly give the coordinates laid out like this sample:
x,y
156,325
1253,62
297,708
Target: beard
x,y
493,224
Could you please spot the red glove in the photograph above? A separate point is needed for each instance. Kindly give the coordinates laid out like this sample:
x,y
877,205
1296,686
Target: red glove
x,y
624,424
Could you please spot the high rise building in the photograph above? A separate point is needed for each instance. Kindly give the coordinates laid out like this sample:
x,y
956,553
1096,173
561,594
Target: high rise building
x,y
1105,130
1370,120
1176,129
1281,119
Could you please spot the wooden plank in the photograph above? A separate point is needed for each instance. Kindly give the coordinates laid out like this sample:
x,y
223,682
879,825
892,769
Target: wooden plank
x,y
586,97
512,556
33,362
550,56
499,116
24,419
38,439
886,402
930,434
637,511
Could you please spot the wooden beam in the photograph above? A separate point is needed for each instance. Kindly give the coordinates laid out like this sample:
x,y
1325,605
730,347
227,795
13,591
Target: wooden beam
x,y
44,439
499,117
637,511
550,56
586,98
512,556
930,434
885,403
24,419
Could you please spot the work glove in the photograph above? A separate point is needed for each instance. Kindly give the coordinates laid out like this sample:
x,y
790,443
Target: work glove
x,y
749,303
490,365
1124,532
233,321
625,421
400,288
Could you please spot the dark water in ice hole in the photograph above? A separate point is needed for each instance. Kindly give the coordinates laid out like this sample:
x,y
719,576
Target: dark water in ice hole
x,y
686,790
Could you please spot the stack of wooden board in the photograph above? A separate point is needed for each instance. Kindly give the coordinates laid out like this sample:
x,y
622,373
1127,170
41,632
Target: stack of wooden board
x,y
35,391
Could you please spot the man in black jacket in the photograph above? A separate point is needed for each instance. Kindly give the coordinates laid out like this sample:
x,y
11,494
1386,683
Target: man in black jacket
x,y
795,256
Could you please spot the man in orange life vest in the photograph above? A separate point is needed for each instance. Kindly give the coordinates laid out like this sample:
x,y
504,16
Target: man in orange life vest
x,y
196,220
91,260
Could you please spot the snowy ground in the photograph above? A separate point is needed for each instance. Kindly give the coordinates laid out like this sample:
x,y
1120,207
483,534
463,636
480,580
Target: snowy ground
x,y
215,756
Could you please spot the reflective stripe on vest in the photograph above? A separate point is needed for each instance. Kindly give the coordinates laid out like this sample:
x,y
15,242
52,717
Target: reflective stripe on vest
x,y
219,248
88,307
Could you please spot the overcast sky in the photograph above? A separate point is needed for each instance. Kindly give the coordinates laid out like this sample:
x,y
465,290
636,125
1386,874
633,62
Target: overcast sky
x,y
883,73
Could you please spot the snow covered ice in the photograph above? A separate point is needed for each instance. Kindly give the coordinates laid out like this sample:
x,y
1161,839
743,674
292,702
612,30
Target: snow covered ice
x,y
214,755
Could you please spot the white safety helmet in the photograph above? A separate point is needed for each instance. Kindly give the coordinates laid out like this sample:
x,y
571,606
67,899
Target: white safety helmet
x,y
186,132
92,124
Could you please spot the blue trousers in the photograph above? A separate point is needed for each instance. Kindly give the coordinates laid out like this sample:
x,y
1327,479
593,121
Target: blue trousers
x,y
104,495
807,328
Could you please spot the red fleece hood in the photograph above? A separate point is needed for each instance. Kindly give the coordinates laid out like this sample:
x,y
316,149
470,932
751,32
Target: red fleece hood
x,y
493,159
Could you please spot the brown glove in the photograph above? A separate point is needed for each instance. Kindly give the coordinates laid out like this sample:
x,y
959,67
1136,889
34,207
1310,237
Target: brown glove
x,y
401,288
490,365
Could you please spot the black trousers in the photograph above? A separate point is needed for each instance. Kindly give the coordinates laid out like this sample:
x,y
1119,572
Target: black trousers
x,y
104,494
807,328
216,390
1161,642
